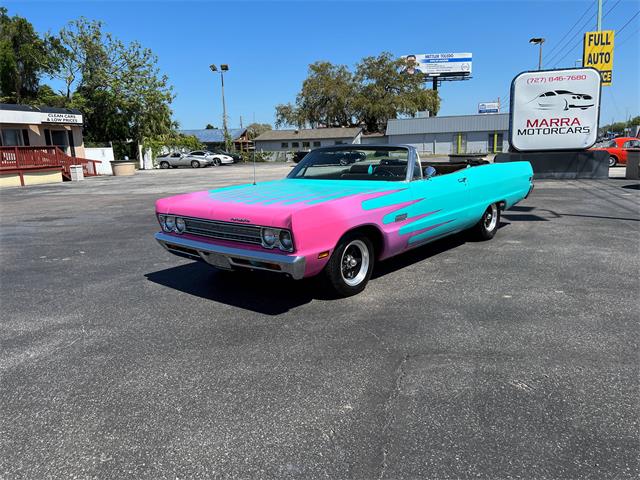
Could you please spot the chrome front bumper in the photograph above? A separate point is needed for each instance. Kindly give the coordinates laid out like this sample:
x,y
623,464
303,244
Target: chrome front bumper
x,y
228,258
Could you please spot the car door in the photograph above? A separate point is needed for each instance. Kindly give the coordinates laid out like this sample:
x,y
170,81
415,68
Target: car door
x,y
440,208
625,149
174,159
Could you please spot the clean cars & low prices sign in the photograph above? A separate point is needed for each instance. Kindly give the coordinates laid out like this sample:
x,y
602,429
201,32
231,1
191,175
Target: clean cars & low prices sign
x,y
555,109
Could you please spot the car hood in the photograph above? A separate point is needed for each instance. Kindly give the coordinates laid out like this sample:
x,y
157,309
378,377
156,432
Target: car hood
x,y
268,203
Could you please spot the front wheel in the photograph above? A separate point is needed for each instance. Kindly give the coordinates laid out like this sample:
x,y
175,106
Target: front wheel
x,y
164,164
216,162
487,227
195,164
350,266
612,161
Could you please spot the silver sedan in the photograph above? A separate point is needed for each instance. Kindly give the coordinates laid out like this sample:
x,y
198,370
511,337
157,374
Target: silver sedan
x,y
195,159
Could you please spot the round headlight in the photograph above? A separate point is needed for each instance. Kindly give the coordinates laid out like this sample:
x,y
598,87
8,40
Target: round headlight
x,y
180,225
170,223
285,240
163,223
269,237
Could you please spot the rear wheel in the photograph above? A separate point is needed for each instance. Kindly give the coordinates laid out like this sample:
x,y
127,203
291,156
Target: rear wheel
x,y
164,164
487,227
350,266
195,164
612,161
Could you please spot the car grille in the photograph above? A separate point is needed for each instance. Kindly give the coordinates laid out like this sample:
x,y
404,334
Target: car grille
x,y
224,230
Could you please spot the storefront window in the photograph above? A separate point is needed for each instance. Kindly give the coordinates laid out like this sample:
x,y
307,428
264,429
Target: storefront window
x,y
12,137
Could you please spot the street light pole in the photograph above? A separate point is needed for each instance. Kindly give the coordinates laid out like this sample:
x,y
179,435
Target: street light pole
x,y
225,131
539,41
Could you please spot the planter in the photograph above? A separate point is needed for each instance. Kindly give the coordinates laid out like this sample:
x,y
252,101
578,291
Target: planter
x,y
121,169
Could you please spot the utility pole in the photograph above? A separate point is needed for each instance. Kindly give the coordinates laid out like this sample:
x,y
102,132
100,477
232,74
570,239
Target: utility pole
x,y
599,15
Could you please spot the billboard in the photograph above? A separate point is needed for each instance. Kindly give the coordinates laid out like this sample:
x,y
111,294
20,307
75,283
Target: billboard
x,y
555,109
489,107
597,52
440,64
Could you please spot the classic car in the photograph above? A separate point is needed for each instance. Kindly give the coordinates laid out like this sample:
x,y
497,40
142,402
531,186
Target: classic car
x,y
195,159
618,148
339,211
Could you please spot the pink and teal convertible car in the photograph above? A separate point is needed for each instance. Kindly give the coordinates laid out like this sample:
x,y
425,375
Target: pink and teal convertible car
x,y
338,211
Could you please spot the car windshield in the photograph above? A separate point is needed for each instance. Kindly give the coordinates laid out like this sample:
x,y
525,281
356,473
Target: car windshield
x,y
355,162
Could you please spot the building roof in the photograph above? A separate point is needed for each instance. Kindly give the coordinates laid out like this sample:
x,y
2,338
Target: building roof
x,y
309,134
214,135
42,109
460,123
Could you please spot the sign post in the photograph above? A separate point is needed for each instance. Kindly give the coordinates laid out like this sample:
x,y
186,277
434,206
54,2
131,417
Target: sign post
x,y
597,52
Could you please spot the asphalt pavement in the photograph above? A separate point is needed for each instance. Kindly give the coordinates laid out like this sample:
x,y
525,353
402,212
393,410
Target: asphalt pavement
x,y
512,358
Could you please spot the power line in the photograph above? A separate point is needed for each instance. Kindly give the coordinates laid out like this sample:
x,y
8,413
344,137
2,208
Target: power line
x,y
580,40
622,42
569,31
628,22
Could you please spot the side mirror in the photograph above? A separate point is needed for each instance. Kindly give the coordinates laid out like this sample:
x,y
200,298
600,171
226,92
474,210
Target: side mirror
x,y
429,172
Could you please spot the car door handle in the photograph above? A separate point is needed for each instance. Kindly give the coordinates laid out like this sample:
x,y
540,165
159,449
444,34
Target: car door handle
x,y
463,179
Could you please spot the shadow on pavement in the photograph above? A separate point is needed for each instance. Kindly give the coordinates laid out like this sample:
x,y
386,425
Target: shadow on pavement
x,y
274,294
262,292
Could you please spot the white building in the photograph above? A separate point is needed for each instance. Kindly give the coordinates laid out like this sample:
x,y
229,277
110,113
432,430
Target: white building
x,y
306,139
452,135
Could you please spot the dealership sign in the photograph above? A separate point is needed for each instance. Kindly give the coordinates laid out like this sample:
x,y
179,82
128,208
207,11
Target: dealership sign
x,y
489,107
555,109
597,52
440,64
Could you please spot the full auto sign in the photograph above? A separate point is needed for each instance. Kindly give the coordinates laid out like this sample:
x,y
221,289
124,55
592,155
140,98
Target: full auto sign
x,y
555,109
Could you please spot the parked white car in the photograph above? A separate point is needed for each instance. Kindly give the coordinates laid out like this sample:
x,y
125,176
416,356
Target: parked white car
x,y
195,159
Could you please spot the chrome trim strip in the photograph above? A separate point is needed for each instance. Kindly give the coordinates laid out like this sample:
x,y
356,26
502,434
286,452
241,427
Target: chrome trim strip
x,y
293,265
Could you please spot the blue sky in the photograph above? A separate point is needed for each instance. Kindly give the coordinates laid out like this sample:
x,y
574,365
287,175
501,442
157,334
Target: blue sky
x,y
269,45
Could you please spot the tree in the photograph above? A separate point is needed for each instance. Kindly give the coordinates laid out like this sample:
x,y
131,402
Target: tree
x,y
256,129
23,59
386,91
80,55
117,86
326,98
332,96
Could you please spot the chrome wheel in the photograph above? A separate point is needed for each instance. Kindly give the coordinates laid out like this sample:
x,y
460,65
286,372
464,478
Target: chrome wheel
x,y
491,217
612,161
354,263
216,162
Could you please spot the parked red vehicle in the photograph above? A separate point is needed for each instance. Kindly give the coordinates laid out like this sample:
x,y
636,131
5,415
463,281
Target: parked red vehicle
x,y
617,149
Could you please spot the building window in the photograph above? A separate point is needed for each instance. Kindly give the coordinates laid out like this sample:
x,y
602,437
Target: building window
x,y
495,142
459,143
12,137
295,144
316,144
306,144
284,145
